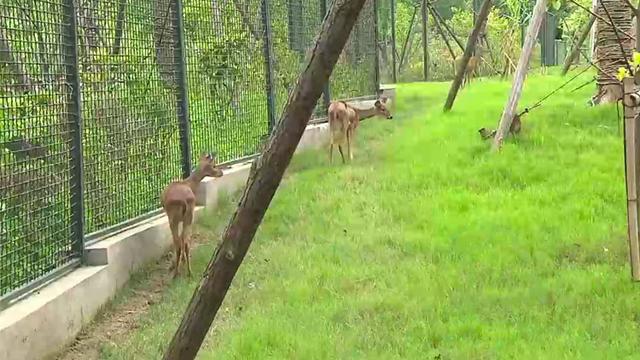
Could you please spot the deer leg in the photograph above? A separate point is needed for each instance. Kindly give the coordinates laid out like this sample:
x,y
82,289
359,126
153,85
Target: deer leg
x,y
349,136
186,238
341,154
174,225
186,252
331,153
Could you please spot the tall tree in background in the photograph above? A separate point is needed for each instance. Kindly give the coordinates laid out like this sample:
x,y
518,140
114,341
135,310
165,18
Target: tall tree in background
x,y
164,37
609,51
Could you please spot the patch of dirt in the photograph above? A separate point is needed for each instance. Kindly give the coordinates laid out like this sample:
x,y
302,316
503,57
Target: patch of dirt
x,y
116,320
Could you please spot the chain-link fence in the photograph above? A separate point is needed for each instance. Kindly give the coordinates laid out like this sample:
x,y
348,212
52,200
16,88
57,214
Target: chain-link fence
x,y
102,103
39,158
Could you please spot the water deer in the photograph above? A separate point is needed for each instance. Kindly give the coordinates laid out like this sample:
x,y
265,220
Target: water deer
x,y
179,202
469,71
344,120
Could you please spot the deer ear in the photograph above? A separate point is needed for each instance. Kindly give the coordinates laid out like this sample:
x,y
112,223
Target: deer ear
x,y
377,104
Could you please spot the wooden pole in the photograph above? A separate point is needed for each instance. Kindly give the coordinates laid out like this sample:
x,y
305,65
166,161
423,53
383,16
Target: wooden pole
x,y
468,52
631,148
436,14
394,51
575,51
521,73
425,40
264,179
409,35
436,22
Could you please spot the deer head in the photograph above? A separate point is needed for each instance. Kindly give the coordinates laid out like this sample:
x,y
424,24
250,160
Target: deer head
x,y
381,108
207,165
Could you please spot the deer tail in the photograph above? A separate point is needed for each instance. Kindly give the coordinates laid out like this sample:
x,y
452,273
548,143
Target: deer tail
x,y
185,208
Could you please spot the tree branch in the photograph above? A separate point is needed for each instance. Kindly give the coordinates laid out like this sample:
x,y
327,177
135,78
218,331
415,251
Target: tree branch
x,y
598,67
441,33
582,36
444,23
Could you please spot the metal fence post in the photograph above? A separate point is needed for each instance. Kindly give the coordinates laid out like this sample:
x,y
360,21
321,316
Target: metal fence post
x,y
183,92
376,51
76,177
268,63
425,40
326,98
394,74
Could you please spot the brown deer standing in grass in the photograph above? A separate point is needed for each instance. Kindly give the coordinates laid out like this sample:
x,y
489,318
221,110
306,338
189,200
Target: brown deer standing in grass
x,y
344,120
179,202
469,71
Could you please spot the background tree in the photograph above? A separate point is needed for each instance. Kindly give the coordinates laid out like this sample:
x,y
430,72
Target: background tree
x,y
612,48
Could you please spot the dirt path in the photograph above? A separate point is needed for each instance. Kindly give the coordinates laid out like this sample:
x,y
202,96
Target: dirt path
x,y
122,316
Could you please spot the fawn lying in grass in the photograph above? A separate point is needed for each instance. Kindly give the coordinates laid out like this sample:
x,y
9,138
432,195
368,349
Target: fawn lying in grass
x,y
179,202
344,120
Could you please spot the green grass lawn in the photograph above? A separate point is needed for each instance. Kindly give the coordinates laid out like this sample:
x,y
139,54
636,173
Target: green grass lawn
x,y
429,246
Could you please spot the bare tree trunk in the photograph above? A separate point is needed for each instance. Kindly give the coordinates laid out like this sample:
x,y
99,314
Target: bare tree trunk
x,y
575,51
479,50
425,40
251,26
468,52
408,41
264,179
88,21
117,41
218,20
42,45
164,38
442,34
608,53
435,12
521,73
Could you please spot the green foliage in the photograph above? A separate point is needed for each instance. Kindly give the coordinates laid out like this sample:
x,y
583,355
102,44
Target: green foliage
x,y
507,21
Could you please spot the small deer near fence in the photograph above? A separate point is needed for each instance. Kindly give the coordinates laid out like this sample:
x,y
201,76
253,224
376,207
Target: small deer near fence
x,y
344,120
179,203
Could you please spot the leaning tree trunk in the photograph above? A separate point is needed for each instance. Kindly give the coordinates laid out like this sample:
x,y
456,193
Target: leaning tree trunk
x,y
480,45
608,50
